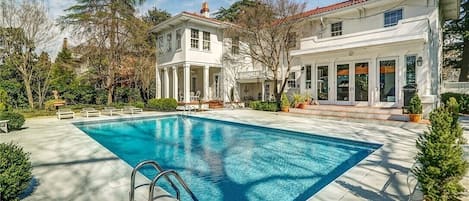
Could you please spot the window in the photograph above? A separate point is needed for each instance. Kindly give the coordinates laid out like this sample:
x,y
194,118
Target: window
x,y
195,38
178,39
387,81
410,69
169,37
235,45
308,77
291,40
160,44
391,18
336,29
206,40
291,80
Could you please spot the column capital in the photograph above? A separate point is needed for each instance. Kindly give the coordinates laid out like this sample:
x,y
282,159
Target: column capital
x,y
186,65
206,67
174,67
165,68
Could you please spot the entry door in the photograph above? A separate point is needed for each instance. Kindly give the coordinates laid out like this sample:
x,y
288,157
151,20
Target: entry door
x,y
216,80
361,83
387,82
322,84
343,75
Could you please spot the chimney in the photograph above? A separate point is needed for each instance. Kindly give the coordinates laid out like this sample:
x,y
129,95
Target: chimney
x,y
65,44
205,11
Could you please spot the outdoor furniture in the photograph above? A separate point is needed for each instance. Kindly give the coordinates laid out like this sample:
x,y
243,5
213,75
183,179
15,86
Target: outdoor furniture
x,y
111,111
4,125
132,110
195,97
89,112
65,113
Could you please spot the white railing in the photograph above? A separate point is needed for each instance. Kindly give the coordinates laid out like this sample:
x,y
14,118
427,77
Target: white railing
x,y
252,75
456,87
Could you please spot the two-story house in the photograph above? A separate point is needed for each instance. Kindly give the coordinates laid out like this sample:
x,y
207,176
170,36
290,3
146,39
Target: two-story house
x,y
363,52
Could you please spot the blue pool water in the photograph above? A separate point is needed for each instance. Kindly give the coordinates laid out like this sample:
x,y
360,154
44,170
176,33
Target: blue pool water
x,y
229,161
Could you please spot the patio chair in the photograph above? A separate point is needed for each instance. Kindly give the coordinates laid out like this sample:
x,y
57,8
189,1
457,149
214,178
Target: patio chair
x,y
132,110
4,125
65,113
90,112
195,97
111,111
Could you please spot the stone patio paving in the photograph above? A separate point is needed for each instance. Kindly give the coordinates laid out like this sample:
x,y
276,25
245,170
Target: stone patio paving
x,y
69,165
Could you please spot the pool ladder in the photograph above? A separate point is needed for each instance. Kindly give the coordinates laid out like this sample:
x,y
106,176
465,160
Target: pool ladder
x,y
161,173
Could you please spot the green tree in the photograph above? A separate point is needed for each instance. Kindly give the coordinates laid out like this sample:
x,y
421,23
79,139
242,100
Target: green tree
x,y
105,25
63,74
231,14
440,157
457,35
41,80
154,16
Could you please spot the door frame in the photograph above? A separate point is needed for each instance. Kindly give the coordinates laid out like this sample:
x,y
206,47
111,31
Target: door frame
x,y
353,71
350,87
315,85
378,101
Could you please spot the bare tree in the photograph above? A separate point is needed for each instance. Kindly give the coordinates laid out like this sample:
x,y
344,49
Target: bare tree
x,y
27,25
270,28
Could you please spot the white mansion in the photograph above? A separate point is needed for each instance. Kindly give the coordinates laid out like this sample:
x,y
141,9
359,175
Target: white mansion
x,y
357,52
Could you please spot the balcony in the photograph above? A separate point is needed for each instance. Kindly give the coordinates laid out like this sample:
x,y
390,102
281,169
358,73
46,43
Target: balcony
x,y
253,76
412,29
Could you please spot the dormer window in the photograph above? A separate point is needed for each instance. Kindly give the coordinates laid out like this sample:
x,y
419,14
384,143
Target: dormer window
x,y
206,41
169,39
194,38
391,18
336,29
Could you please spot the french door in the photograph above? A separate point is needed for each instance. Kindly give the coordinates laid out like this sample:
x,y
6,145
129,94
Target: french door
x,y
352,83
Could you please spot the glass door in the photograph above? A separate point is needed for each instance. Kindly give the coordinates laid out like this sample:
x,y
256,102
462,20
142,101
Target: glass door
x,y
361,82
343,84
387,81
323,83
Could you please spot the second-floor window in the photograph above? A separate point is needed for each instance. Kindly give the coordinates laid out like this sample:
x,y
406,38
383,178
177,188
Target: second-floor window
x,y
178,39
235,45
291,40
169,38
391,18
308,77
291,80
160,44
336,29
206,41
194,38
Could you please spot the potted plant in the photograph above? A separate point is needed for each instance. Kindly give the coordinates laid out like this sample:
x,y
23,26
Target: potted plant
x,y
415,109
297,100
285,103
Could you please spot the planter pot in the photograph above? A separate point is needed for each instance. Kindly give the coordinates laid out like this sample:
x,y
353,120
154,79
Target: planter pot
x,y
302,105
285,109
415,117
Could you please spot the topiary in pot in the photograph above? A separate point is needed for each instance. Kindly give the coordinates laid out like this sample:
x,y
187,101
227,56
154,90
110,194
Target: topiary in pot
x,y
16,120
285,103
415,109
15,171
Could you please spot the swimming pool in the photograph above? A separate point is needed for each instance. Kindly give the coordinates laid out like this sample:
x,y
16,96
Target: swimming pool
x,y
223,160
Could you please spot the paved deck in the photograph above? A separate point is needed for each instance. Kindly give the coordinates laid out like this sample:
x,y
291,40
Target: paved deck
x,y
69,165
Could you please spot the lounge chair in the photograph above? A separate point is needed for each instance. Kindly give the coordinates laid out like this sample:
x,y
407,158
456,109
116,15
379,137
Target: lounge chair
x,y
132,110
89,112
65,113
111,111
4,125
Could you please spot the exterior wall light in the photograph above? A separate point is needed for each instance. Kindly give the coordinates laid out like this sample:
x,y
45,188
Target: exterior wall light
x,y
419,61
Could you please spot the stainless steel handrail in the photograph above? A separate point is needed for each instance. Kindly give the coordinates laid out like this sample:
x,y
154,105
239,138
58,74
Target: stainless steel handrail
x,y
155,165
176,175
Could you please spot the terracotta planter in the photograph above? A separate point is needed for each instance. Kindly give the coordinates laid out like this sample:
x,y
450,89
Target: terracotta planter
x,y
285,108
302,105
415,117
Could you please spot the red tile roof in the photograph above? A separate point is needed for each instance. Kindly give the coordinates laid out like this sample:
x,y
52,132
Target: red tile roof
x,y
332,7
202,17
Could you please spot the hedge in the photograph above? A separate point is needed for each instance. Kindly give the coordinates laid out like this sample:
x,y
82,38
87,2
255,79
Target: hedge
x,y
16,119
163,104
264,106
15,171
463,100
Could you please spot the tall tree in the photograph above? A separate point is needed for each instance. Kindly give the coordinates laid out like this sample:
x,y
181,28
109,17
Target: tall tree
x,y
268,28
27,27
41,81
104,24
232,13
154,16
457,35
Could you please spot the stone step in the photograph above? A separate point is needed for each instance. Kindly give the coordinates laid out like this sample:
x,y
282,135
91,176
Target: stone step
x,y
351,114
355,109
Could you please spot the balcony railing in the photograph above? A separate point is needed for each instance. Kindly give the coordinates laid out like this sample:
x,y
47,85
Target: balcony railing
x,y
258,74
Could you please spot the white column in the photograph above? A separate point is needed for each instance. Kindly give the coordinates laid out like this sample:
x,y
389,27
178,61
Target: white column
x,y
158,82
206,82
175,83
166,83
187,83
263,90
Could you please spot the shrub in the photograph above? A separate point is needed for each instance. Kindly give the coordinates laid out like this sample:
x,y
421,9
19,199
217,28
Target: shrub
x,y
16,119
164,104
440,156
264,106
254,105
462,99
415,105
138,104
15,171
284,100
